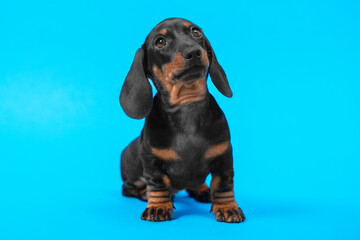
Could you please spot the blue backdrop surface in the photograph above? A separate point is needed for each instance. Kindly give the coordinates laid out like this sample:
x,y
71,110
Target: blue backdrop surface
x,y
294,68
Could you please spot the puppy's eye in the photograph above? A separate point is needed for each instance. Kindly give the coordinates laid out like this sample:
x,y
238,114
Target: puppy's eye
x,y
196,32
160,42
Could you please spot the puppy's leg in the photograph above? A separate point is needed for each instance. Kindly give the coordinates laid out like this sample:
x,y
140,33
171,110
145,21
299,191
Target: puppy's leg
x,y
131,171
135,190
224,205
160,206
200,194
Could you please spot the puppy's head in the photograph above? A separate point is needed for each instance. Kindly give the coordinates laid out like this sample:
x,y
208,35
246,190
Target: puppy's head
x,y
177,57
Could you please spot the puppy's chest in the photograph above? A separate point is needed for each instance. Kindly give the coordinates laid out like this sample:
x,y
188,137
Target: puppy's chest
x,y
184,148
190,167
189,149
187,158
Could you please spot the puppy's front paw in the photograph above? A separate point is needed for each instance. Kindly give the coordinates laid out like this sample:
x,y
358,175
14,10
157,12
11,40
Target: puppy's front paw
x,y
228,212
158,212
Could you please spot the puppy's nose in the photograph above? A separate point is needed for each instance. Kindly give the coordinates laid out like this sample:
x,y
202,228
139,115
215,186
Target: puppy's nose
x,y
192,54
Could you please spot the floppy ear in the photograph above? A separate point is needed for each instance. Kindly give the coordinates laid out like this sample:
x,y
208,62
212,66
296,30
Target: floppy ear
x,y
136,93
217,74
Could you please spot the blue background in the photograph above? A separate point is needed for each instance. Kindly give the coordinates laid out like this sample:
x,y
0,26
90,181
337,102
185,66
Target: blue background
x,y
295,118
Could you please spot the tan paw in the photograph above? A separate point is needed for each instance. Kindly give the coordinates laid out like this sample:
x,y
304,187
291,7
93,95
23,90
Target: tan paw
x,y
158,212
228,212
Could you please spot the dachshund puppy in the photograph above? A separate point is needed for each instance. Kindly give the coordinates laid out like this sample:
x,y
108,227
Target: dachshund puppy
x,y
186,136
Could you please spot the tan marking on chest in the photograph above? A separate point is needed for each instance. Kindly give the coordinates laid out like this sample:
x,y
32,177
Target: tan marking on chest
x,y
165,154
216,150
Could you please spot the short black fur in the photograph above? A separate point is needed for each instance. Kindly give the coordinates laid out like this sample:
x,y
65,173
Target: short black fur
x,y
191,130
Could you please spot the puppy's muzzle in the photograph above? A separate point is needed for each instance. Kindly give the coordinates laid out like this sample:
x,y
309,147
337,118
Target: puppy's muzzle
x,y
192,56
195,65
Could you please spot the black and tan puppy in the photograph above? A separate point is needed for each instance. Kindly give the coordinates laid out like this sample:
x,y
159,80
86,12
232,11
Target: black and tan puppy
x,y
186,135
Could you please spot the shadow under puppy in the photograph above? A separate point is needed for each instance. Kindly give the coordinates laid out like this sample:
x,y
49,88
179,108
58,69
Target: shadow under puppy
x,y
186,135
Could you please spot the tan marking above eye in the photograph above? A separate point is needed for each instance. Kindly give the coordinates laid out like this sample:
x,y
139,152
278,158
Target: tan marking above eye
x,y
187,24
217,150
165,154
163,31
